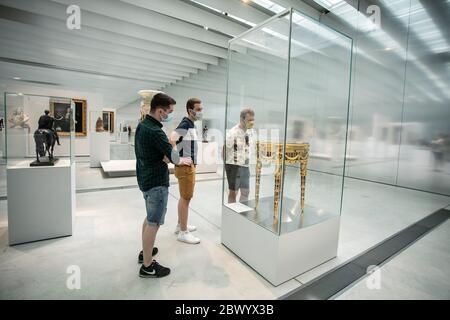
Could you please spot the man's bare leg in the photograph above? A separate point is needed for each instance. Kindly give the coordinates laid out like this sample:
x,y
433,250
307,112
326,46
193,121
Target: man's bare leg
x,y
183,211
231,196
244,195
148,241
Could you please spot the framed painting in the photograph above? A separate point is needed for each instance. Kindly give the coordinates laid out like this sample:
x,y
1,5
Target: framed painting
x,y
108,121
60,109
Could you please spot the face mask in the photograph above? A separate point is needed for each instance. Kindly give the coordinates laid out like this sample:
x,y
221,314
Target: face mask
x,y
249,124
167,119
197,115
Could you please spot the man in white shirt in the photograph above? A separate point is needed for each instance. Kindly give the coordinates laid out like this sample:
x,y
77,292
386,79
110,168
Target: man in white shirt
x,y
237,157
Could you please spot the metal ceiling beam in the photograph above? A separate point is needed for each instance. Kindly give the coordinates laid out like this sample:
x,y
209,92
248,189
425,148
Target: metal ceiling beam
x,y
100,68
37,12
184,11
153,78
239,9
75,78
150,19
104,40
439,11
129,56
22,39
28,50
300,6
122,62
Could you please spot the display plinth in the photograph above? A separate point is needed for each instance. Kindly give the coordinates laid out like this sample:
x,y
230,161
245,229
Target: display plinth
x,y
99,148
41,201
2,144
279,258
44,162
17,142
119,168
124,137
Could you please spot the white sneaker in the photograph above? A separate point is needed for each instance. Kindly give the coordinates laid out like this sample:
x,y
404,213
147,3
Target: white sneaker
x,y
186,236
190,228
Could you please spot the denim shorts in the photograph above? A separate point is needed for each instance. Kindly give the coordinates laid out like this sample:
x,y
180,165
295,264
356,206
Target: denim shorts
x,y
238,177
156,204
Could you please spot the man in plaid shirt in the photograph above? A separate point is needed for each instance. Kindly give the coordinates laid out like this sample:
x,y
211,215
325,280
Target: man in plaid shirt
x,y
153,151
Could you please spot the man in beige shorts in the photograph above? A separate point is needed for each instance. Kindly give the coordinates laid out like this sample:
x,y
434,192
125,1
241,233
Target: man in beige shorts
x,y
186,141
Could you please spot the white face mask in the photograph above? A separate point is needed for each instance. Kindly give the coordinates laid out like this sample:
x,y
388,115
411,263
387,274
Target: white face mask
x,y
168,118
197,115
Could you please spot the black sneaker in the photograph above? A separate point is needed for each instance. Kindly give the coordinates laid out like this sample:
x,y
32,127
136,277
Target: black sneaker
x,y
155,270
141,255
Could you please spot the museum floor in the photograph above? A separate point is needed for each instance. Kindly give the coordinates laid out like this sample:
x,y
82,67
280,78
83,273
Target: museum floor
x,y
106,241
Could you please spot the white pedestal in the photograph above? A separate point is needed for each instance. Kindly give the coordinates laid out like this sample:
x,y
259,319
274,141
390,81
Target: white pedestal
x,y
119,168
207,158
124,137
279,258
2,144
123,168
99,148
17,142
41,201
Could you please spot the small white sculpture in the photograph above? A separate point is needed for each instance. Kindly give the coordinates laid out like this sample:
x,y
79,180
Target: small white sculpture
x,y
19,119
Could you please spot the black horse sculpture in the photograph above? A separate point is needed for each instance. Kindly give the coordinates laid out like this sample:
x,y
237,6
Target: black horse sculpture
x,y
45,143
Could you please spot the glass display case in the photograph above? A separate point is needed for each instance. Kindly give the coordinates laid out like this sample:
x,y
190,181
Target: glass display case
x,y
34,125
286,130
40,166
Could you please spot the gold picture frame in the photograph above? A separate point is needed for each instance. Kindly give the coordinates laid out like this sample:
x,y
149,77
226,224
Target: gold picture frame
x,y
59,109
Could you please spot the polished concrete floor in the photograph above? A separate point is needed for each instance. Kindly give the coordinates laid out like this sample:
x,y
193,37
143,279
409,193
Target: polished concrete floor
x,y
106,241
422,271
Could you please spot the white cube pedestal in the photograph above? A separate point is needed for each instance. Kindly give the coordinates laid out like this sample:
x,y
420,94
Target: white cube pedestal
x,y
41,201
124,137
279,258
99,148
17,142
2,144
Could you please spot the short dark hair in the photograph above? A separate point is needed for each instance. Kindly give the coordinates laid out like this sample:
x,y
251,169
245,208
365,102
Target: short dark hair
x,y
246,111
46,112
190,104
161,100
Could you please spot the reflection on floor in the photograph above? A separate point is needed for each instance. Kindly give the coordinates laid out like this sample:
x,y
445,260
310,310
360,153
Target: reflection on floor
x,y
419,272
106,241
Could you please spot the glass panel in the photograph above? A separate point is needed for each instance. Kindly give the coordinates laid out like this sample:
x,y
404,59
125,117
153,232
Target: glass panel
x,y
378,91
34,124
257,81
319,82
3,121
425,135
123,147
